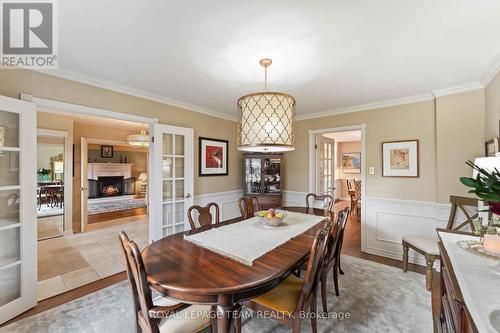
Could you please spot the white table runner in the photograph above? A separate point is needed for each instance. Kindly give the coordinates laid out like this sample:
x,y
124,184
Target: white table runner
x,y
478,278
250,239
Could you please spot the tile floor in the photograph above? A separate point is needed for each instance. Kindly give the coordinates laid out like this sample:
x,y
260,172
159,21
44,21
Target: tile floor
x,y
101,249
50,226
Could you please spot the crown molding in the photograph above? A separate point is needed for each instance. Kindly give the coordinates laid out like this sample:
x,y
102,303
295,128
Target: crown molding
x,y
491,71
369,106
458,89
73,76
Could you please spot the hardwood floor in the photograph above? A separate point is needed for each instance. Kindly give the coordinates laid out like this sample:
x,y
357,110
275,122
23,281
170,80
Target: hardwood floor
x,y
351,246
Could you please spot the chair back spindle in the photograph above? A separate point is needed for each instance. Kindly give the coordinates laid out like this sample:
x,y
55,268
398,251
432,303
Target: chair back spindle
x,y
326,200
248,207
204,216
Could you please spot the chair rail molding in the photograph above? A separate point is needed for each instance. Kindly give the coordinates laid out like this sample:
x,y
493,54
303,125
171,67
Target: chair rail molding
x,y
387,220
227,201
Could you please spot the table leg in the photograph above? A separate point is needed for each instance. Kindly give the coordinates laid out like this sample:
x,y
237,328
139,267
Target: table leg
x,y
225,314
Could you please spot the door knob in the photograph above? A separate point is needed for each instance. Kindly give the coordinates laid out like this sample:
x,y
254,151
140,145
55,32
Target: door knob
x,y
188,195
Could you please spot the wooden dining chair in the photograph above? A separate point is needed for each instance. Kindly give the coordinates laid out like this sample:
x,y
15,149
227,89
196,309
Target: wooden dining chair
x,y
291,298
248,206
156,315
428,245
332,256
355,194
326,200
204,216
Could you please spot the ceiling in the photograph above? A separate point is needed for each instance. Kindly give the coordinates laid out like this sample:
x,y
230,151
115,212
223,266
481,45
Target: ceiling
x,y
345,136
329,54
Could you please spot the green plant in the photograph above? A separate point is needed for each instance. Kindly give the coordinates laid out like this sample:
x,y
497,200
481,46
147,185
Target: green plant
x,y
486,186
43,171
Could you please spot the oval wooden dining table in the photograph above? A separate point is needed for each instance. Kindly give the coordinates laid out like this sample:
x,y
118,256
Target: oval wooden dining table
x,y
191,274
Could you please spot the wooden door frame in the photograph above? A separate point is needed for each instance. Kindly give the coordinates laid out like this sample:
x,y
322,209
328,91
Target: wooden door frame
x,y
312,167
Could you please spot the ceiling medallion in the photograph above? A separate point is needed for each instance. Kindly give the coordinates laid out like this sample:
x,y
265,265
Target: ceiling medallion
x,y
266,120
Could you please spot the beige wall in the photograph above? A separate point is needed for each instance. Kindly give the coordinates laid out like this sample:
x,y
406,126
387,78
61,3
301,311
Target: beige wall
x,y
460,130
492,101
458,119
14,82
411,121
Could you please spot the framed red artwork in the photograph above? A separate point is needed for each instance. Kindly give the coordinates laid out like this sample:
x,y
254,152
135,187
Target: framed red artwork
x,y
213,157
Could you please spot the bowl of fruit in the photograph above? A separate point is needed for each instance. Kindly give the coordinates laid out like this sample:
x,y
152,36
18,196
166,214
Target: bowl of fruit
x,y
271,217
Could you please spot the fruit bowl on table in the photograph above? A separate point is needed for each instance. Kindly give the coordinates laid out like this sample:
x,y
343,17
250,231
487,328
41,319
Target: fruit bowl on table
x,y
271,217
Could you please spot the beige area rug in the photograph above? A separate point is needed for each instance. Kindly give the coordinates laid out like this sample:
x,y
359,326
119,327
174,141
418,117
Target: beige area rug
x,y
56,256
49,227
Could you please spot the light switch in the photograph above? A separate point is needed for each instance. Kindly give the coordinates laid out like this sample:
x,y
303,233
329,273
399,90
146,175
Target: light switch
x,y
371,170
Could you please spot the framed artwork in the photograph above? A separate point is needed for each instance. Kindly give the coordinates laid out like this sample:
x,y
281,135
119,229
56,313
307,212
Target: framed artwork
x,y
107,151
213,157
491,147
351,162
400,159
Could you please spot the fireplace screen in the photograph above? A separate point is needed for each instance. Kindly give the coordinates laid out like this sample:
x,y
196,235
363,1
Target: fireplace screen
x,y
111,186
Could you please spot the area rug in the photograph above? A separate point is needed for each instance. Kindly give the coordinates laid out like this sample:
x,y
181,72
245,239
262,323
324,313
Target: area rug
x,y
56,256
46,210
378,298
103,206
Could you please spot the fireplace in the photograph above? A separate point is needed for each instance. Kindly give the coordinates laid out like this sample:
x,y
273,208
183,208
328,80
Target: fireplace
x,y
111,186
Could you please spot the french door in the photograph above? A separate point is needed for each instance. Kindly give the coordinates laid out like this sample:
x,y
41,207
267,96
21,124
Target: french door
x,y
18,237
325,166
172,185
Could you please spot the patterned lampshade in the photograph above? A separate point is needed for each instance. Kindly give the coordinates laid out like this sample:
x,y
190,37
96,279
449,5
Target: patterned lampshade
x,y
266,120
140,140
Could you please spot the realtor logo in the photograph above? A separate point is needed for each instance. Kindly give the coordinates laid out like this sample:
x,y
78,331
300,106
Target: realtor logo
x,y
28,34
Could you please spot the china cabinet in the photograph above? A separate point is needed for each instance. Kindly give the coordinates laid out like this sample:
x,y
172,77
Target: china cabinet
x,y
264,178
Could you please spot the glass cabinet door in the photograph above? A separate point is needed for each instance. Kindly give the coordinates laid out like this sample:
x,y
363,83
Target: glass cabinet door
x,y
272,175
253,175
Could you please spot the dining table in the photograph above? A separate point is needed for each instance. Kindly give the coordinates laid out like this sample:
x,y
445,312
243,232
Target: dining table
x,y
188,273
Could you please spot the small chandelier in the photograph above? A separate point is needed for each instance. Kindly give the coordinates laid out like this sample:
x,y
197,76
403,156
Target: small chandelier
x,y
139,140
266,120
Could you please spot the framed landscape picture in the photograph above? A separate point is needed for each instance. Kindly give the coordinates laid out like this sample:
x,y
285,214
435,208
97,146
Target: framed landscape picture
x,y
351,162
400,159
213,157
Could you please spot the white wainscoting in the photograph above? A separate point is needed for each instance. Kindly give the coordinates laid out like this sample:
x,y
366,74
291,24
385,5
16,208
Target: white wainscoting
x,y
294,198
227,201
386,221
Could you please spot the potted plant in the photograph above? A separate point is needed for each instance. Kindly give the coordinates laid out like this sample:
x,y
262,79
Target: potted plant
x,y
486,186
44,174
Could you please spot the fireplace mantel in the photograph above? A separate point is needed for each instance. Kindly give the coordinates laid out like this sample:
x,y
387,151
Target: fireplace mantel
x,y
96,170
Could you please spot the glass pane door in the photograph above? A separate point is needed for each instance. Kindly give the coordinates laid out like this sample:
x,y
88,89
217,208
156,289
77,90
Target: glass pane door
x,y
253,175
272,175
325,165
17,207
173,163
